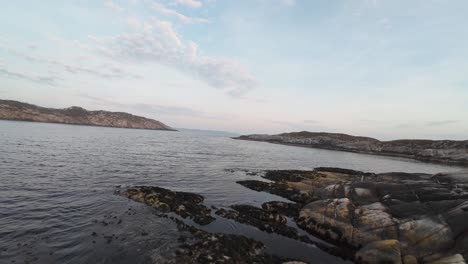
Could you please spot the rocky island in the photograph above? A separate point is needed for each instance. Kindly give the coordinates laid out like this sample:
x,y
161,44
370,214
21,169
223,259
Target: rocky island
x,y
441,151
361,217
18,111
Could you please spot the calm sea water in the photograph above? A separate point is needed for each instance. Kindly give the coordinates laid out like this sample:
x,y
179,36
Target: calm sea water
x,y
57,183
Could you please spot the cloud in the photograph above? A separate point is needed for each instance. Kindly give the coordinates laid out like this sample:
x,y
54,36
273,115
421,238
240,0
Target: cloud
x,y
304,125
48,80
161,9
167,29
110,4
104,70
107,71
441,123
154,109
427,124
133,22
311,121
284,123
371,121
158,42
190,3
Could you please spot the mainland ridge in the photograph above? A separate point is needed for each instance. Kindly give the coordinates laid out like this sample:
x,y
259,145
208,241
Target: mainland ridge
x,y
18,111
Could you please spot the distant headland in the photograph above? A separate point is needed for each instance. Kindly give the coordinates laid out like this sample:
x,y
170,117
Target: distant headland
x,y
18,111
439,151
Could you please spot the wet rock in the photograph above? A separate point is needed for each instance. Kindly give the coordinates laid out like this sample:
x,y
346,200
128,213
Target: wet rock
x,y
187,205
384,251
409,259
455,259
222,248
288,209
343,171
289,175
277,188
261,219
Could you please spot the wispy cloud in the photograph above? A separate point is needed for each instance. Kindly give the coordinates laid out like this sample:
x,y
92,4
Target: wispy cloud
x,y
283,123
304,125
105,70
152,109
163,10
158,42
441,122
438,123
371,121
110,4
311,121
47,80
190,3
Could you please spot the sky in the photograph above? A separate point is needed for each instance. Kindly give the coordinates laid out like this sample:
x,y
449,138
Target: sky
x,y
382,68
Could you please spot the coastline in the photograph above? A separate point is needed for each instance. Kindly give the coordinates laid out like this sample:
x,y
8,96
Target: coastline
x,y
87,125
75,115
386,154
355,216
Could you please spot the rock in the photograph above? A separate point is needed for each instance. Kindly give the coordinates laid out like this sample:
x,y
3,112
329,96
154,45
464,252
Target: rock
x,y
281,189
404,218
222,248
288,209
384,251
289,175
410,259
261,219
187,205
425,236
426,214
455,259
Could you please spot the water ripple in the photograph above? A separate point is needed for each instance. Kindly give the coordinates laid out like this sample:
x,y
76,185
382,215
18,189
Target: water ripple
x,y
56,187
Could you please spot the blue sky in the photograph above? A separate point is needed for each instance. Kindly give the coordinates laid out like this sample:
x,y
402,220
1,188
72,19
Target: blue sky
x,y
382,68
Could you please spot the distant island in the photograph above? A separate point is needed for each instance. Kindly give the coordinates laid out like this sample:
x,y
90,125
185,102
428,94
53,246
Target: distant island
x,y
440,151
18,111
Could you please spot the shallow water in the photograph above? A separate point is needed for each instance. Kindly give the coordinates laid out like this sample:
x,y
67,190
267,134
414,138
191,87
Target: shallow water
x,y
57,183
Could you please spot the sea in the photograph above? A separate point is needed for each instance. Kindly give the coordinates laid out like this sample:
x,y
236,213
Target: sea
x,y
57,183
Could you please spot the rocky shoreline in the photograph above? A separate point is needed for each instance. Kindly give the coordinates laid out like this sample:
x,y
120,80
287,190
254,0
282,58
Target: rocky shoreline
x,y
357,216
434,151
18,111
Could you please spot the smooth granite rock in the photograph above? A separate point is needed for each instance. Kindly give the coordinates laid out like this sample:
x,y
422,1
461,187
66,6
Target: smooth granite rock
x,y
383,218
